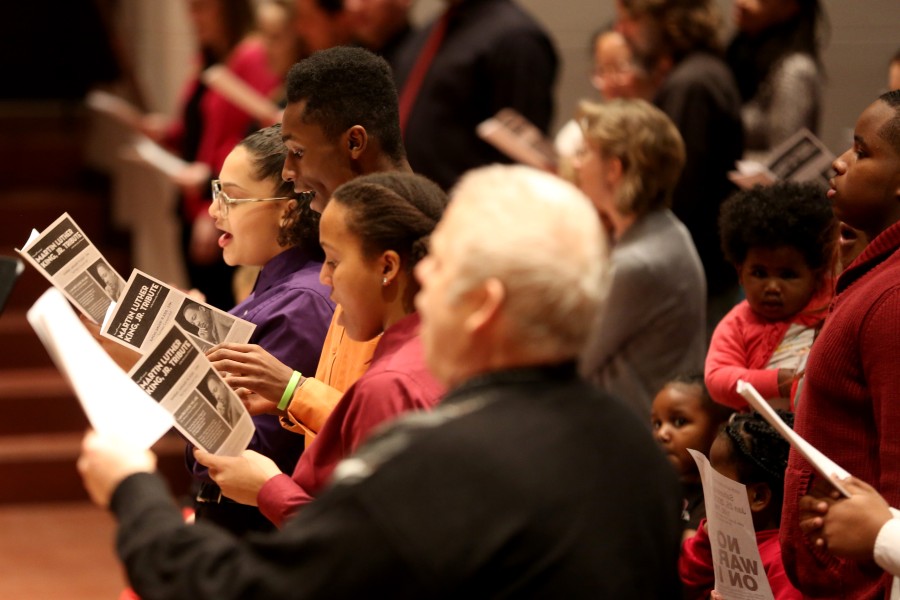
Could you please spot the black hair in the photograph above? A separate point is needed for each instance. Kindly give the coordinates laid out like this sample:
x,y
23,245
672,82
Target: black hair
x,y
718,413
238,20
267,153
759,453
797,215
890,131
346,86
751,58
332,7
393,211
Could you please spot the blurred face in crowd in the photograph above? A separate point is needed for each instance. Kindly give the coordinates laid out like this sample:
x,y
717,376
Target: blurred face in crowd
x,y
755,16
314,162
679,423
642,33
595,176
865,190
209,27
274,24
894,76
317,28
249,230
615,74
778,282
374,22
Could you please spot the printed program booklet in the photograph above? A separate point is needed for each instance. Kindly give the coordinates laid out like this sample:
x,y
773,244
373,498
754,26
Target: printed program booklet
x,y
66,257
176,373
148,307
736,561
520,139
802,157
113,403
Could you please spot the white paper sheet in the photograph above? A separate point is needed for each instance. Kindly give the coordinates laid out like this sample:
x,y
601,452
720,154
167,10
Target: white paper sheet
x,y
113,403
823,465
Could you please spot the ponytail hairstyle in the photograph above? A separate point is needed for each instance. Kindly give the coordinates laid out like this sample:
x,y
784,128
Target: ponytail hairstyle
x,y
393,211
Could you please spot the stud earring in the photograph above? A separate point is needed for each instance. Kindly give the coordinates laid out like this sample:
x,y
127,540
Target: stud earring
x,y
384,281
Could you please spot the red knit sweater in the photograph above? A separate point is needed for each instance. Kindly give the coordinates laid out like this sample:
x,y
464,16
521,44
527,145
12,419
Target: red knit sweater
x,y
850,410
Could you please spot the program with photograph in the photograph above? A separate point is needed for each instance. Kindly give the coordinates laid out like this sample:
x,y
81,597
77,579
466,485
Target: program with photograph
x,y
148,307
71,263
207,412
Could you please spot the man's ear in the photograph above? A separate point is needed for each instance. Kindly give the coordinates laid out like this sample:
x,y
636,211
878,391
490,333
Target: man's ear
x,y
759,495
357,139
488,298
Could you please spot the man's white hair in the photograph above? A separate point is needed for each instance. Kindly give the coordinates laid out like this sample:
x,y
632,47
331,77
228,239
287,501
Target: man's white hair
x,y
541,238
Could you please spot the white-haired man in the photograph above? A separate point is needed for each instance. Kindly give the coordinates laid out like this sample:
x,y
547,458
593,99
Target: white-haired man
x,y
525,482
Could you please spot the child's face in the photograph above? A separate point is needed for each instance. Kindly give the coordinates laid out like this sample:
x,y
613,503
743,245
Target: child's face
x,y
679,422
866,185
777,281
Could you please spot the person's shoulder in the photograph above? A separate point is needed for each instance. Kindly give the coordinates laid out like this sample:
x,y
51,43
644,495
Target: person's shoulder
x,y
507,22
798,64
701,71
249,57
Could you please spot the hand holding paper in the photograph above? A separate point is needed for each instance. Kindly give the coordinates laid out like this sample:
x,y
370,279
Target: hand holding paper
x,y
106,461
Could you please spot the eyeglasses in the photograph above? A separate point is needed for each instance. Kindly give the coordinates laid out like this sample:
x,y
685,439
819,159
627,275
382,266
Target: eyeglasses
x,y
600,75
225,200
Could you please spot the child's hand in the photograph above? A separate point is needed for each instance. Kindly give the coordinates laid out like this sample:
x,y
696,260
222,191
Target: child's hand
x,y
785,382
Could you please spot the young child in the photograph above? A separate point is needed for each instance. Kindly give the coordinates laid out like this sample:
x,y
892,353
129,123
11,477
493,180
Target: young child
x,y
684,416
750,451
781,239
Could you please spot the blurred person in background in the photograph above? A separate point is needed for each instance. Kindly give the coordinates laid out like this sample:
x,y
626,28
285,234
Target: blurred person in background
x,y
775,60
207,128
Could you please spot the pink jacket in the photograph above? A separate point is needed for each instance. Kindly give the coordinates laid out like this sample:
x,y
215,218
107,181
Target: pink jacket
x,y
743,343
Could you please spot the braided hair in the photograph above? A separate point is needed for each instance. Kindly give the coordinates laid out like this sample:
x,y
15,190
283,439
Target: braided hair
x,y
759,452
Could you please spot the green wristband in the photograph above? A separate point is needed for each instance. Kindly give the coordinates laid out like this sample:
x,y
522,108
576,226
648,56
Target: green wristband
x,y
289,391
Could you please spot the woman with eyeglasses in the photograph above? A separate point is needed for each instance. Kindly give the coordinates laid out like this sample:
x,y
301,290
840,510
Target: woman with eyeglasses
x,y
264,223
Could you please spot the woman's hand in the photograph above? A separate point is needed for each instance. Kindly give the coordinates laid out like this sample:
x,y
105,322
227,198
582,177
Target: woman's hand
x,y
105,462
249,366
239,477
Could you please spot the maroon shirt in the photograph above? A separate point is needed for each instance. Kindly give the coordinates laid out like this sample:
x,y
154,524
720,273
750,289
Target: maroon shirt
x,y
397,381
